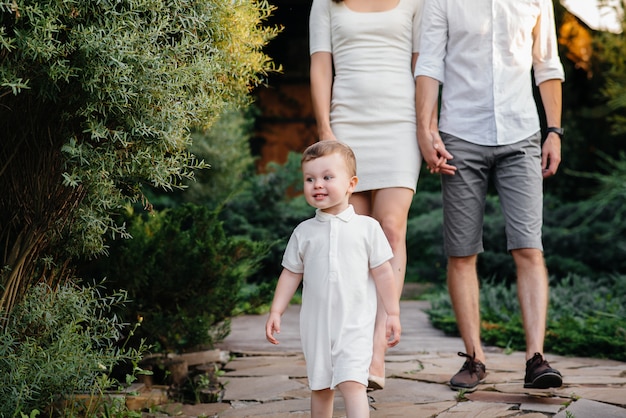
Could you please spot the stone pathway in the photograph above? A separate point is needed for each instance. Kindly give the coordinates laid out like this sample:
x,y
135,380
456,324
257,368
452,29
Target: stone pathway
x,y
262,380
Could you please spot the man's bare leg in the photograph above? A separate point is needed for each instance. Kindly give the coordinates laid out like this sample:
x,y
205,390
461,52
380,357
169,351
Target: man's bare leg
x,y
464,291
532,291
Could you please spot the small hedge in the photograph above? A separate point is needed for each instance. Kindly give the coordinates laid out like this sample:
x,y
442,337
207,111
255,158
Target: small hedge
x,y
586,317
183,274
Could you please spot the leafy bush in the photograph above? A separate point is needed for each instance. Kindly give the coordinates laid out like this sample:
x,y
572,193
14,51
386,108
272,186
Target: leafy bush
x,y
587,317
225,147
59,342
586,238
183,274
267,210
98,99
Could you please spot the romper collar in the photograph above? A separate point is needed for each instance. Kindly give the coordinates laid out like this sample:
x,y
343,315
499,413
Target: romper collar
x,y
345,216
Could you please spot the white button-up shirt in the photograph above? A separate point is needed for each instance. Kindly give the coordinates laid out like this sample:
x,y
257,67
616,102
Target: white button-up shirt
x,y
482,51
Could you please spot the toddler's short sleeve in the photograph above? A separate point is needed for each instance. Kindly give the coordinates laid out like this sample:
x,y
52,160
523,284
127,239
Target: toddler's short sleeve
x,y
319,27
292,258
380,250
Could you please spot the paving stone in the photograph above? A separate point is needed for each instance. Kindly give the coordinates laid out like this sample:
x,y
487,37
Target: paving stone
x,y
399,390
260,389
541,407
615,396
293,366
278,409
407,409
585,408
513,398
270,381
479,410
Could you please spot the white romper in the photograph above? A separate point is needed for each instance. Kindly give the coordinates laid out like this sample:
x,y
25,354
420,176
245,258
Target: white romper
x,y
373,97
335,255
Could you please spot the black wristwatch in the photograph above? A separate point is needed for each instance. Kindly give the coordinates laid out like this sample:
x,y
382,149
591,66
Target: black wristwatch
x,y
558,131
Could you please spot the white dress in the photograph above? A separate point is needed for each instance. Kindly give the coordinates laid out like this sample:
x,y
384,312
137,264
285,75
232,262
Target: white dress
x,y
373,97
335,255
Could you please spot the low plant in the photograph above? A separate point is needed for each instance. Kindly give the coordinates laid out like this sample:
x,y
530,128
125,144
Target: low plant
x,y
59,342
183,274
587,317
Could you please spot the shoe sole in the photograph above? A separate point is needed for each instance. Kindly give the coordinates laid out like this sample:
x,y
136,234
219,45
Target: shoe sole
x,y
465,388
545,381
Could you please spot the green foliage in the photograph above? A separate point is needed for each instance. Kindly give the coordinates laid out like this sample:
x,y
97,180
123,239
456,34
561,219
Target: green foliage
x,y
589,237
587,317
98,100
226,147
426,258
268,210
611,49
58,342
183,274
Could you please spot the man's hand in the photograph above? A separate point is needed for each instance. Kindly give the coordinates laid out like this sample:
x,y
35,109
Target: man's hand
x,y
435,154
550,155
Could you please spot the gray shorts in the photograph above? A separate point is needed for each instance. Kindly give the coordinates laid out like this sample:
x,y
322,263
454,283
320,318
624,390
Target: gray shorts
x,y
516,173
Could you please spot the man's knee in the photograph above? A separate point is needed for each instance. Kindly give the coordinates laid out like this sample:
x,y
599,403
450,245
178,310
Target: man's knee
x,y
528,257
462,262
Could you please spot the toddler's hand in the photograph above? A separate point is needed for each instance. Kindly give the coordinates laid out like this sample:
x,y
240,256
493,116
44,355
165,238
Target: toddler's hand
x,y
272,326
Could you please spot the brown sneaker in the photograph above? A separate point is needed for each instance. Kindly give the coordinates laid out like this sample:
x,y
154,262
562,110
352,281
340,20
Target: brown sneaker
x,y
471,374
539,374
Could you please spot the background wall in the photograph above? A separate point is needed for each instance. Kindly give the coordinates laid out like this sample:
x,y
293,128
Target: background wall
x,y
286,122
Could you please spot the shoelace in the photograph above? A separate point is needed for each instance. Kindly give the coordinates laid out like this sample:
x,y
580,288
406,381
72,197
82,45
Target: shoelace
x,y
537,361
470,364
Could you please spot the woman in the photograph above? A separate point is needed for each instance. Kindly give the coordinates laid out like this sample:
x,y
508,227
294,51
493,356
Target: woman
x,y
362,57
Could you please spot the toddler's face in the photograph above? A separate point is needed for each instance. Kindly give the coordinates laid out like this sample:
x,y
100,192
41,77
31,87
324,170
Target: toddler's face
x,y
327,183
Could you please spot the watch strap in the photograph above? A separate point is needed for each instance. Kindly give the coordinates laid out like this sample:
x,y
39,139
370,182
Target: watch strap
x,y
558,131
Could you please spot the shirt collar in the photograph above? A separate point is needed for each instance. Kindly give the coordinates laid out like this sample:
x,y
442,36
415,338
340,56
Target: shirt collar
x,y
345,216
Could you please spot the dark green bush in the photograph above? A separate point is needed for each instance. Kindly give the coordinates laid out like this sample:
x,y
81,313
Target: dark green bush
x,y
184,275
268,210
58,342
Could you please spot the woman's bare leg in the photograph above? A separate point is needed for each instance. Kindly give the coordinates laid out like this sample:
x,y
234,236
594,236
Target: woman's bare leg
x,y
355,398
322,403
391,208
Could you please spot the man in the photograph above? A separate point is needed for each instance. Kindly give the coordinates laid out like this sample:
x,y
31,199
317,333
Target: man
x,y
482,53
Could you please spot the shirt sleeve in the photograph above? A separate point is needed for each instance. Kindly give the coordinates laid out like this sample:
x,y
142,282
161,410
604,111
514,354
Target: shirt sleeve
x,y
433,40
380,250
319,27
546,62
292,258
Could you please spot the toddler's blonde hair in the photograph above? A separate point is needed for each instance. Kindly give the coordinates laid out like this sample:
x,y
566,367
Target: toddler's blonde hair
x,y
323,148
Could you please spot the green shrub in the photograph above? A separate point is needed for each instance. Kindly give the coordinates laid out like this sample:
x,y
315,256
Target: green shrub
x,y
587,317
183,274
99,99
267,210
59,342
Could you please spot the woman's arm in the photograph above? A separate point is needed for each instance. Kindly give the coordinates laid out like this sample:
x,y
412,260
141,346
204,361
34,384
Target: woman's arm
x,y
321,90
